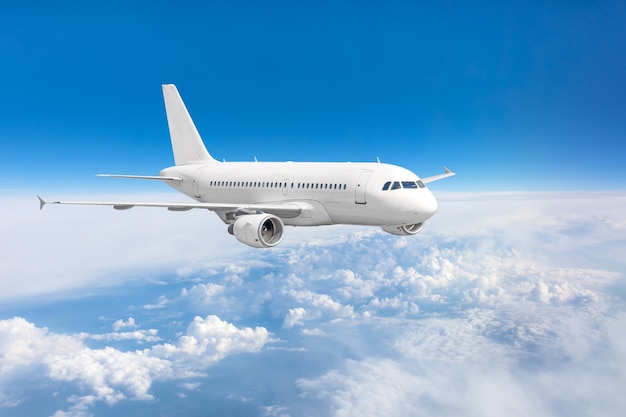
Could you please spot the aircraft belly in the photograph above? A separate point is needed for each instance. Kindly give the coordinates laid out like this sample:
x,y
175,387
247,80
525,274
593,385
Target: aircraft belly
x,y
360,214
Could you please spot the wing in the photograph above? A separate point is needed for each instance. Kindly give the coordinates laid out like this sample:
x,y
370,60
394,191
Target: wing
x,y
285,210
141,177
447,174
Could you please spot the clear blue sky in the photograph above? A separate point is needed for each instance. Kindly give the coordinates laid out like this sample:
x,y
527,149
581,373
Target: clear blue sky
x,y
511,95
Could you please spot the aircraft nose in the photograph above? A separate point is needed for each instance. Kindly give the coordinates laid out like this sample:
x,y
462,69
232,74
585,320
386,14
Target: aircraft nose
x,y
428,204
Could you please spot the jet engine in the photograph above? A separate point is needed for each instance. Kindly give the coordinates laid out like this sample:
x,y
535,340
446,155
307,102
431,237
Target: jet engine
x,y
258,230
404,229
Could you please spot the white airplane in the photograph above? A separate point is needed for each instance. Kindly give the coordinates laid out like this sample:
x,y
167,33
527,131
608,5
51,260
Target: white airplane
x,y
257,199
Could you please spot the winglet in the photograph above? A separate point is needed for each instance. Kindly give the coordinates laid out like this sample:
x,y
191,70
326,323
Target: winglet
x,y
42,203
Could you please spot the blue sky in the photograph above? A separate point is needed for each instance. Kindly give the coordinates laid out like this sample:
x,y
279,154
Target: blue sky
x,y
511,96
510,302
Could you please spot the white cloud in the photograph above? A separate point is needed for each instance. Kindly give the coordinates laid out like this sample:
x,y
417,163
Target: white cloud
x,y
149,335
209,340
502,306
77,247
313,332
294,316
121,324
110,375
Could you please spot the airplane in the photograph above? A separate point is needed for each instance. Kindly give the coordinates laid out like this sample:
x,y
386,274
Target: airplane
x,y
257,199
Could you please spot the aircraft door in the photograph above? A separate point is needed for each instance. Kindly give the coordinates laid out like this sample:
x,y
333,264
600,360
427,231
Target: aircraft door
x,y
197,190
285,186
361,185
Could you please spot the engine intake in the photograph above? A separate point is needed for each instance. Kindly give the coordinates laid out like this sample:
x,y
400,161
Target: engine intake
x,y
404,229
258,230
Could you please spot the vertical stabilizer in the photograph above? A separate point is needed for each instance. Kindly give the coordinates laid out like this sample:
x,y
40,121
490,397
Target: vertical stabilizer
x,y
186,141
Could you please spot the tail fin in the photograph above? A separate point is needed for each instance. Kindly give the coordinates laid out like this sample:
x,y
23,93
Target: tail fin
x,y
186,141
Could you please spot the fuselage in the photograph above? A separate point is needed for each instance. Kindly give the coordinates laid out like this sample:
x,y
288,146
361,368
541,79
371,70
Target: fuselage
x,y
337,193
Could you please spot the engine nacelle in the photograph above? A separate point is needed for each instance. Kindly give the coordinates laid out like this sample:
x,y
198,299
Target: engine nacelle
x,y
404,229
258,230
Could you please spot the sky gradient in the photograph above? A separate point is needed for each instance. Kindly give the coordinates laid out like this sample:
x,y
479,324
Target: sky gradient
x,y
511,302
511,96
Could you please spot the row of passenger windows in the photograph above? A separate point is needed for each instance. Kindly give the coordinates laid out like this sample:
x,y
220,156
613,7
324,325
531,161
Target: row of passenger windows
x,y
396,185
261,184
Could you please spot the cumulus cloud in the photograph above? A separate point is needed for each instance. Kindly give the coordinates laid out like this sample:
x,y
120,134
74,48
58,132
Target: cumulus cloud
x,y
209,340
294,316
110,375
121,324
503,305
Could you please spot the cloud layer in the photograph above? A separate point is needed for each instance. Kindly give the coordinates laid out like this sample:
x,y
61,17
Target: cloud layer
x,y
507,304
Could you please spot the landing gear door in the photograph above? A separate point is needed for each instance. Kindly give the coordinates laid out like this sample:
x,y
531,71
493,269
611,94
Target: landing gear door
x,y
361,185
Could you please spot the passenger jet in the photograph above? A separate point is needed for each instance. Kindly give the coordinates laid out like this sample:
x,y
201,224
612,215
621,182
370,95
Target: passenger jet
x,y
257,199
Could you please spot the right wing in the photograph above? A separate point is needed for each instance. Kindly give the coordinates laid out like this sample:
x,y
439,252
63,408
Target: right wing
x,y
285,210
447,174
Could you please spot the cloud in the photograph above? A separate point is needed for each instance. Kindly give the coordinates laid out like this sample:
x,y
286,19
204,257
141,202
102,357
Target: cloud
x,y
479,366
110,375
149,335
503,305
209,340
104,247
294,316
121,324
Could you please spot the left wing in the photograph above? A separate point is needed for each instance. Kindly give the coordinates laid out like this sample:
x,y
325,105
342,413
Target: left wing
x,y
447,174
141,177
285,210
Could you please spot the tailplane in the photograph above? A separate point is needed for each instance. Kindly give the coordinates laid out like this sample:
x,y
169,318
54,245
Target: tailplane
x,y
186,141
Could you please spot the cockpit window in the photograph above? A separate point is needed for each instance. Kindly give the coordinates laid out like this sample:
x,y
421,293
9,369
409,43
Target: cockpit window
x,y
395,185
421,184
386,186
409,184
